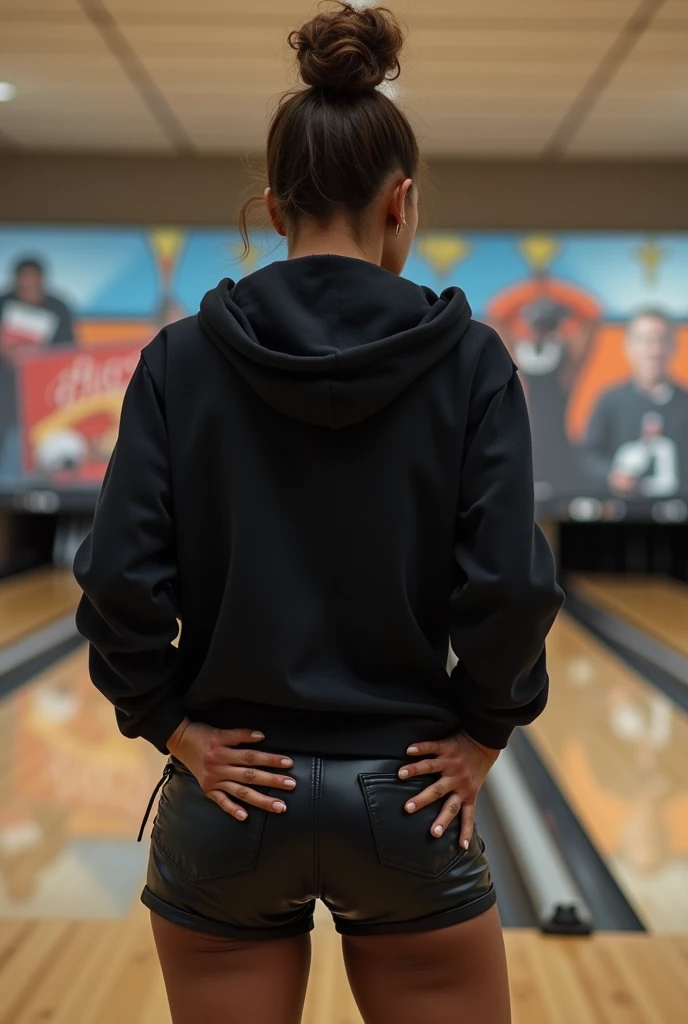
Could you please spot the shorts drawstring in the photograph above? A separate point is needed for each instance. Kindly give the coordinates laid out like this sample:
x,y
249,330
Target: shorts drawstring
x,y
169,768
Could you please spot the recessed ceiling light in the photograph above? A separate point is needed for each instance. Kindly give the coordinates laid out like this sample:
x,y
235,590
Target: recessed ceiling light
x,y
7,92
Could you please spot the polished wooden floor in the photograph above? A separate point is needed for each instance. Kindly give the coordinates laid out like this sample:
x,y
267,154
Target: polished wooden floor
x,y
72,792
74,942
34,599
655,604
616,747
68,972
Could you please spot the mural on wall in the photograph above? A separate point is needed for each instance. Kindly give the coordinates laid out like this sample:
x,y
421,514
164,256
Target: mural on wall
x,y
597,323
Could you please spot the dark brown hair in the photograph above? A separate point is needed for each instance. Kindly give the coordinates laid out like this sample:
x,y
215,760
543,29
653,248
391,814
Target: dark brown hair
x,y
333,144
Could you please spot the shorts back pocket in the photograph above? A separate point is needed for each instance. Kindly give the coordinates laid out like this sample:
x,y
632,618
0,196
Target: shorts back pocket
x,y
201,840
403,841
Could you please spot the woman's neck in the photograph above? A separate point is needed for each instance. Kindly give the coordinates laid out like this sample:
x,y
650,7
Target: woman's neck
x,y
333,240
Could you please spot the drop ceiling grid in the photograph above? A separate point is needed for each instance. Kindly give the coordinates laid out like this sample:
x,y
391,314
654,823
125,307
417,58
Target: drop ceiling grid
x,y
559,10
199,69
500,74
21,8
673,12
70,90
645,108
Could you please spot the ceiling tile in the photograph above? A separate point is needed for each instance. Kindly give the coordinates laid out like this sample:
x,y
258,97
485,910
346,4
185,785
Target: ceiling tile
x,y
290,11
211,72
672,12
13,9
494,78
64,74
645,108
564,10
632,138
526,44
95,136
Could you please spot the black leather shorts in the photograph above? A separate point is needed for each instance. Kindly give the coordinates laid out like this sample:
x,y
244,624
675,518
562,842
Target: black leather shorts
x,y
345,839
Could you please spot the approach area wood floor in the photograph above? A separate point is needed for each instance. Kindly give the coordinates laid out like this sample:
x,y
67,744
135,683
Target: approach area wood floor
x,y
105,972
616,747
33,599
653,604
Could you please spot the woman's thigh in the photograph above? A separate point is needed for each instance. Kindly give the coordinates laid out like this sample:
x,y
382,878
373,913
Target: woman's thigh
x,y
222,981
453,974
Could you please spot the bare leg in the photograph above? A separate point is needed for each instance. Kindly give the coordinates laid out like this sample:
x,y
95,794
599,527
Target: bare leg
x,y
227,981
446,976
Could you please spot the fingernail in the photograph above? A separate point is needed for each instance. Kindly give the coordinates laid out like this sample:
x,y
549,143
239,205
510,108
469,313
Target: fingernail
x,y
257,735
403,774
279,806
438,830
289,783
412,750
286,762
410,808
465,844
242,815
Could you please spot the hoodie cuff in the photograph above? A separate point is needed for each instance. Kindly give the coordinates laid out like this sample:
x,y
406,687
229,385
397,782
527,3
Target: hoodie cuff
x,y
486,731
159,724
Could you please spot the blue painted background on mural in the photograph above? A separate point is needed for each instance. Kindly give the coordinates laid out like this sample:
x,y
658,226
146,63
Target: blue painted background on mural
x,y
112,273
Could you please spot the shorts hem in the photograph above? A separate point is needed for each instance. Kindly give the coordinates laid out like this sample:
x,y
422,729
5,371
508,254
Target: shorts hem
x,y
199,923
431,923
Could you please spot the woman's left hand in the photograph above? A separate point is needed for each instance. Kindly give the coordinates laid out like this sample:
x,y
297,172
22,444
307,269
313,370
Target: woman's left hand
x,y
462,764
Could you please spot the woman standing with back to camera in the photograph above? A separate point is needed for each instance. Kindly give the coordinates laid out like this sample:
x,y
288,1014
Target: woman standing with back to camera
x,y
326,476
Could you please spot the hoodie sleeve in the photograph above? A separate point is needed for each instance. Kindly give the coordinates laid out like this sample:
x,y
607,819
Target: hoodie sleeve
x,y
126,568
506,597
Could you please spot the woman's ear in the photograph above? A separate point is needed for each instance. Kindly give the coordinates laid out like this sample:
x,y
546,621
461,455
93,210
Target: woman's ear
x,y
273,213
405,200
399,200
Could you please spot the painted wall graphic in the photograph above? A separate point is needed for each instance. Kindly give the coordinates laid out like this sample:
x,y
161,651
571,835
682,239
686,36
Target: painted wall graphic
x,y
597,323
71,402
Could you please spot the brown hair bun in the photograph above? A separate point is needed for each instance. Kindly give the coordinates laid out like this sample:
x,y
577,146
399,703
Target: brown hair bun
x,y
348,49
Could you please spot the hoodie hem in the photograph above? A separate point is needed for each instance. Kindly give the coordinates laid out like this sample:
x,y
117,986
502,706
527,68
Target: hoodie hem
x,y
332,733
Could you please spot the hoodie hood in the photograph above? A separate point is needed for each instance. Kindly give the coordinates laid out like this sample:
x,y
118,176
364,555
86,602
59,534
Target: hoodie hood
x,y
330,340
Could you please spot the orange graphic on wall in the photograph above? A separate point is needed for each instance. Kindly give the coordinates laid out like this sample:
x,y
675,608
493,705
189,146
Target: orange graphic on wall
x,y
507,311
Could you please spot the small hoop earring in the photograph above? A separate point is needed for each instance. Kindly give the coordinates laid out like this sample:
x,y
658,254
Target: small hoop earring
x,y
398,230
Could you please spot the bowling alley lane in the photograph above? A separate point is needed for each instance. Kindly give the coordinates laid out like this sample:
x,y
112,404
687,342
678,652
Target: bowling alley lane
x,y
33,600
656,605
72,792
616,748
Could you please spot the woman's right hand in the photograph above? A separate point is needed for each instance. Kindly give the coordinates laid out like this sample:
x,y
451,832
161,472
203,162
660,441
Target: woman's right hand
x,y
220,769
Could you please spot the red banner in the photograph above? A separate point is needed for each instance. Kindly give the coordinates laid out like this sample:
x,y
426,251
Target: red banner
x,y
70,404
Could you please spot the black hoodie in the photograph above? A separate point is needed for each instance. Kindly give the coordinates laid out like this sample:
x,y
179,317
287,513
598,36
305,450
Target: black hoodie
x,y
326,477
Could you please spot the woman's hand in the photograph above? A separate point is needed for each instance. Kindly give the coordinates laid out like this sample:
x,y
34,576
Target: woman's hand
x,y
210,755
462,764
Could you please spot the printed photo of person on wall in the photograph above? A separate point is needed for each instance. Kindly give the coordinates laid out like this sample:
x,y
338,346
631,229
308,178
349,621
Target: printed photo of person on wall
x,y
636,444
29,314
30,318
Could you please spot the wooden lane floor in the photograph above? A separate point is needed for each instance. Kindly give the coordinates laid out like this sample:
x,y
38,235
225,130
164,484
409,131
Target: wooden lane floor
x,y
616,747
72,793
34,599
95,972
75,946
656,605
